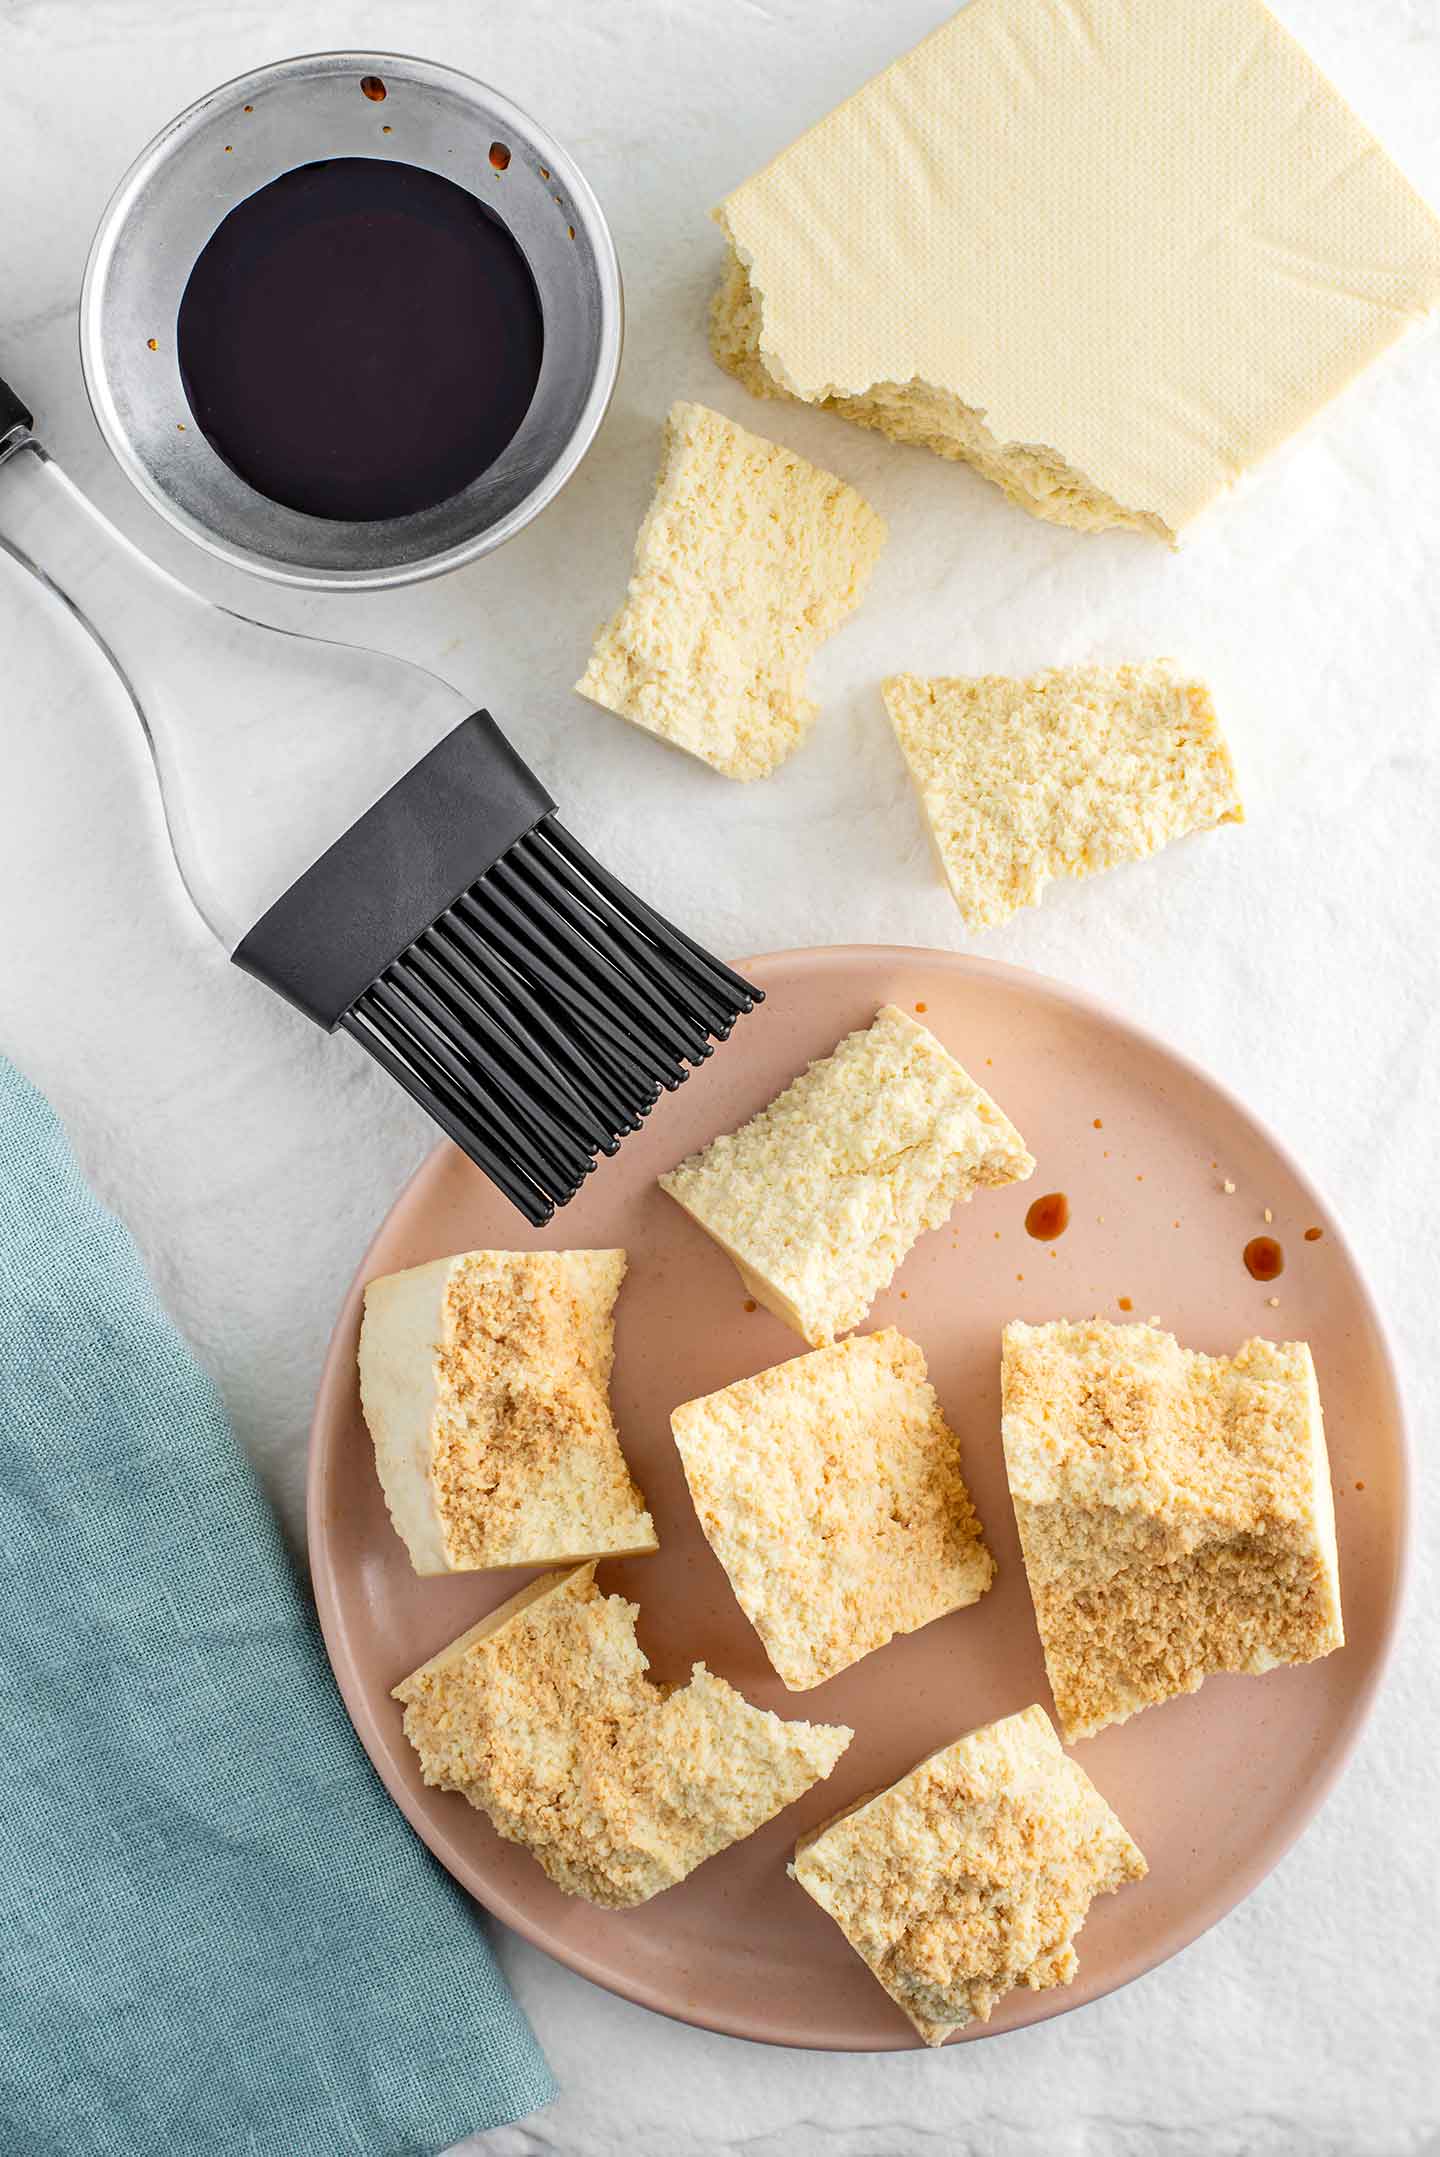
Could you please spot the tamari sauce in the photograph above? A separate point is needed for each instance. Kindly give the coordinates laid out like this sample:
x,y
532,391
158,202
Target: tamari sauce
x,y
360,339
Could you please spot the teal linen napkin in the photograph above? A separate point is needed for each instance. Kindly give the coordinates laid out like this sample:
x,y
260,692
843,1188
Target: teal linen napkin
x,y
216,1932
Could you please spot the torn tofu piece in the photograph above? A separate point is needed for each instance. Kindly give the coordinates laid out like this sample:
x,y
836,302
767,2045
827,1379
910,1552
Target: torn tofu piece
x,y
830,1489
819,1196
542,1717
1174,1509
1111,253
1064,774
485,1380
747,560
972,1874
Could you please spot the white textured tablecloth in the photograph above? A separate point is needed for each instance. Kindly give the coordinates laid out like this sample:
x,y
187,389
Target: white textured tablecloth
x,y
1299,957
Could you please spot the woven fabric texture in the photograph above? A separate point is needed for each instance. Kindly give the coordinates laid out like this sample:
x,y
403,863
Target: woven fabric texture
x,y
216,1932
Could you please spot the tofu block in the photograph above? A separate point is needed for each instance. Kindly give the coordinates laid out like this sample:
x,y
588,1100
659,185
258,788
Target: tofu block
x,y
542,1717
1109,252
1068,773
1174,1510
972,1874
485,1384
747,560
819,1197
830,1490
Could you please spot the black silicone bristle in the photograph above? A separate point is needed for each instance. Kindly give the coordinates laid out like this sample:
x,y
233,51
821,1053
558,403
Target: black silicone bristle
x,y
541,1015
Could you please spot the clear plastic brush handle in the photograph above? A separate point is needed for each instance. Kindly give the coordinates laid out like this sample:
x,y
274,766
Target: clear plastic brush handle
x,y
267,744
377,853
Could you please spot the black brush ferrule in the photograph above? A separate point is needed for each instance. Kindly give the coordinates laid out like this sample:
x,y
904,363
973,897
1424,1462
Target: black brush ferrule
x,y
395,871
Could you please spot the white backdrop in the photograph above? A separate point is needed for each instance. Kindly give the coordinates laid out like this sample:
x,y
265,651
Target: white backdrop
x,y
1298,957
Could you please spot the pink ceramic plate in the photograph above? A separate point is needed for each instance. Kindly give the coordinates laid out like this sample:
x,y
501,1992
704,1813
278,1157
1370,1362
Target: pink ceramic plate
x,y
1213,1787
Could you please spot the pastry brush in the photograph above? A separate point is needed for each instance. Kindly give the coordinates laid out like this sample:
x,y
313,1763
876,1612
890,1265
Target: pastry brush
x,y
447,921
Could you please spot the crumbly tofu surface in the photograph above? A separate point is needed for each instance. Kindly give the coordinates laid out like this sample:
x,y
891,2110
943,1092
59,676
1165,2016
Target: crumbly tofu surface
x,y
747,560
542,1717
1067,773
485,1380
1174,1509
972,1874
831,1491
819,1197
978,252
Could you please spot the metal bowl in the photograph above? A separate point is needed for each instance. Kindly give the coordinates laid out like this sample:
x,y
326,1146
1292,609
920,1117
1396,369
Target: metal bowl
x,y
238,139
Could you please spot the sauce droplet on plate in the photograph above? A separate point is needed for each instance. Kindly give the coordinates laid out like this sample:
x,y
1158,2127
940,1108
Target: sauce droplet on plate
x,y
1125,1303
1264,1259
1048,1217
1313,1235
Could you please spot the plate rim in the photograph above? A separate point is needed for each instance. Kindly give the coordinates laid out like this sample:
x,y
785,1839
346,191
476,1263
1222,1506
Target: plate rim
x,y
338,1366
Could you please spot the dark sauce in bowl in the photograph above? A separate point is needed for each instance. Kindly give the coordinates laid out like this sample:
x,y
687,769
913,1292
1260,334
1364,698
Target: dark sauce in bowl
x,y
360,339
